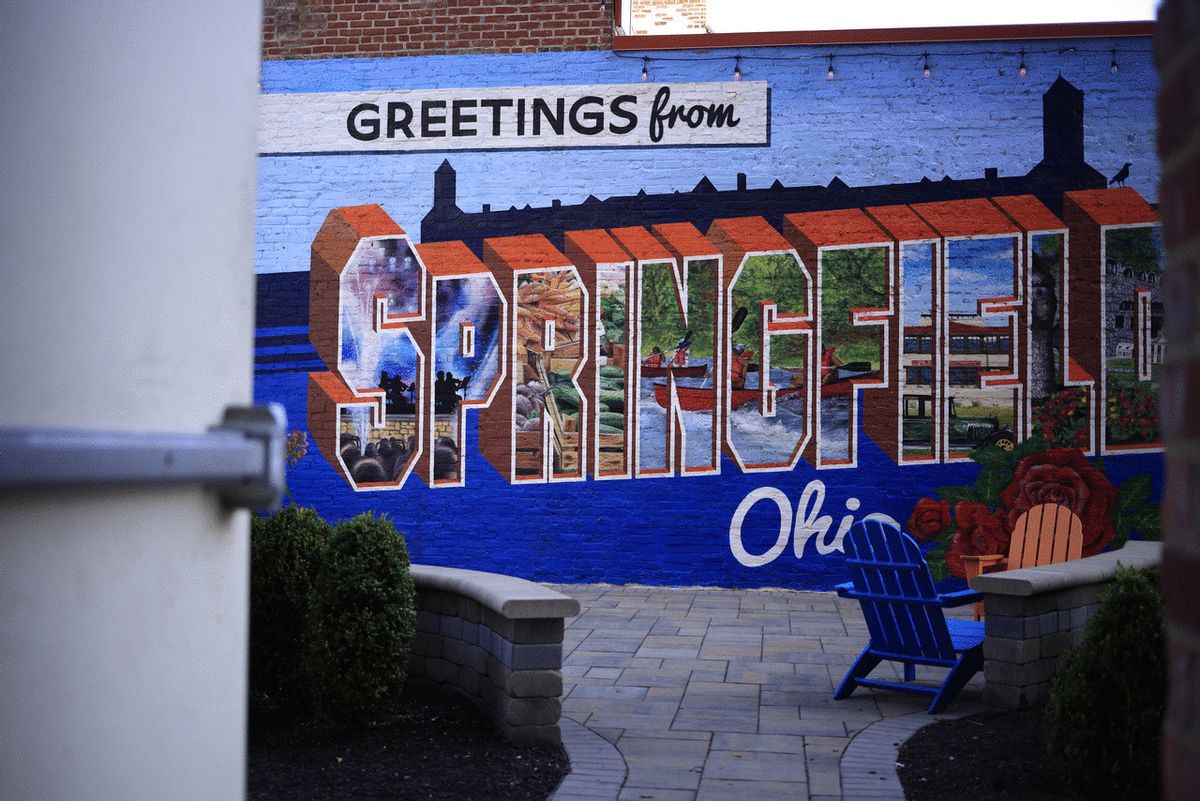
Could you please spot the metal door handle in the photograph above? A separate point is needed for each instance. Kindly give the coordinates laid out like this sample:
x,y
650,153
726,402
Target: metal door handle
x,y
242,458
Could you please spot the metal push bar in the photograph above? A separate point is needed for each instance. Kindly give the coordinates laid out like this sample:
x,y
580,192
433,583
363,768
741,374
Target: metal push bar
x,y
242,458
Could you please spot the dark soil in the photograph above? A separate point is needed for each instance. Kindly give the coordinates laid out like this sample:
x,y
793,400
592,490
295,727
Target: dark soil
x,y
425,745
983,758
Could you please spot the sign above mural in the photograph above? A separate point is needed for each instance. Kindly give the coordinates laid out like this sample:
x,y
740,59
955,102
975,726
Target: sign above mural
x,y
616,115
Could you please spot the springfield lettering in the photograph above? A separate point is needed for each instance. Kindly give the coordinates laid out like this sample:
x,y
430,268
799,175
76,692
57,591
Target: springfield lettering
x,y
699,114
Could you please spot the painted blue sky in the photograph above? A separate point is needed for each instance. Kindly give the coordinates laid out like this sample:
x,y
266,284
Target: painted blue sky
x,y
878,121
978,268
916,260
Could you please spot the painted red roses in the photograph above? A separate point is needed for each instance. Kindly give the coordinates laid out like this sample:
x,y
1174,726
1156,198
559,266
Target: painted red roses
x,y
976,532
983,520
1065,477
929,519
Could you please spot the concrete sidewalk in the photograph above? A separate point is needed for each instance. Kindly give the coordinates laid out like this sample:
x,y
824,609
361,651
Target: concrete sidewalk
x,y
728,694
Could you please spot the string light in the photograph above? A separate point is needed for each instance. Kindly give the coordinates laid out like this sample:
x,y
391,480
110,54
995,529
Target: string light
x,y
926,68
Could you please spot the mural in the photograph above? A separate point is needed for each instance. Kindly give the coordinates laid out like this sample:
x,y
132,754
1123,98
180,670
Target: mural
x,y
946,354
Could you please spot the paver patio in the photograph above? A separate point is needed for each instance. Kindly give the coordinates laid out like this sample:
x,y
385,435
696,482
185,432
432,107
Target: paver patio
x,y
714,694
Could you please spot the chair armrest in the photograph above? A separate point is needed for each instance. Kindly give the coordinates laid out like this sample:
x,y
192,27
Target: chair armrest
x,y
843,590
961,597
977,565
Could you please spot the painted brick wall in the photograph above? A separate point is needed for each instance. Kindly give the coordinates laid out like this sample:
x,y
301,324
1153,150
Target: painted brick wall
x,y
332,29
879,133
1178,51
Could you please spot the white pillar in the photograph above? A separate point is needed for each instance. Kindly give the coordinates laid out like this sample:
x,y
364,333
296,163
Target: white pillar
x,y
126,302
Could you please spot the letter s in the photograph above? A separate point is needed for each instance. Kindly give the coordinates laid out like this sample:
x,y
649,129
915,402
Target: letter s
x,y
618,111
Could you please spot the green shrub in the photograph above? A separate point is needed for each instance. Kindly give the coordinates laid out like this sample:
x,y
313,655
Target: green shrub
x,y
1105,712
285,555
364,619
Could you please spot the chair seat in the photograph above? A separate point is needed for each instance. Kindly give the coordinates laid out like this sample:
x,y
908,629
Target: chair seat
x,y
965,634
903,613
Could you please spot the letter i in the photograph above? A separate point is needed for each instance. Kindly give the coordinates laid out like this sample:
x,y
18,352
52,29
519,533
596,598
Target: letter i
x,y
847,521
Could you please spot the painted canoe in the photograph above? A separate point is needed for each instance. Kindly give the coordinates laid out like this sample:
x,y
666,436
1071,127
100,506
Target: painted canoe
x,y
695,371
700,399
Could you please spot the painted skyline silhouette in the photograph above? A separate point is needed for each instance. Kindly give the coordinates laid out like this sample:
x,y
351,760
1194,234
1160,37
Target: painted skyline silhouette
x,y
1062,169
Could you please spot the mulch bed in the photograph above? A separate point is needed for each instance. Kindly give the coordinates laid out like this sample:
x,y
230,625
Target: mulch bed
x,y
983,758
425,745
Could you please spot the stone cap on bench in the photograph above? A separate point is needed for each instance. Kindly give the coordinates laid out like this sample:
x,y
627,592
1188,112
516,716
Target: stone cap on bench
x,y
1064,575
511,597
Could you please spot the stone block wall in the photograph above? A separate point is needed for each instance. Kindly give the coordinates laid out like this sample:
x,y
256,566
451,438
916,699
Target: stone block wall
x,y
1035,614
497,641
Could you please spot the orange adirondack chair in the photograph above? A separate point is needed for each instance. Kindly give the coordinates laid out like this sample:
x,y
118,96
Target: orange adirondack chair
x,y
1046,534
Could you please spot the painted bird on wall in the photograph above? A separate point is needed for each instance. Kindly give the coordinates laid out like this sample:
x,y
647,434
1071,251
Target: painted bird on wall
x,y
1119,178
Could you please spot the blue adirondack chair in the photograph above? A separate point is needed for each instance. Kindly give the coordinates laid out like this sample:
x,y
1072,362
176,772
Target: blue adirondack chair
x,y
904,615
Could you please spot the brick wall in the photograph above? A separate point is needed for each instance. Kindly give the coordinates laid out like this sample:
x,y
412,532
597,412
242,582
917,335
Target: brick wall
x,y
656,17
987,136
338,29
1178,53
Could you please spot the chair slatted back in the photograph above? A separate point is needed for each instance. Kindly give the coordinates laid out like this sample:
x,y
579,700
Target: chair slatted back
x,y
892,583
1046,534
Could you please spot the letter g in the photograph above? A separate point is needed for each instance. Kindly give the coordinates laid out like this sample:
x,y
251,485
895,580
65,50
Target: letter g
x,y
363,130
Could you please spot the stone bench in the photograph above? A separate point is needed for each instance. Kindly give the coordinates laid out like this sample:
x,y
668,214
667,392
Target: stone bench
x,y
497,640
1036,613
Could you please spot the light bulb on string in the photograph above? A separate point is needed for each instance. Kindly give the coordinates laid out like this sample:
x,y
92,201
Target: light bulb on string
x,y
926,72
1113,67
737,68
645,71
829,75
1021,70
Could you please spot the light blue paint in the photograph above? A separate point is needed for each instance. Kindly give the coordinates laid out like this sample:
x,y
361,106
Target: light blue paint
x,y
877,122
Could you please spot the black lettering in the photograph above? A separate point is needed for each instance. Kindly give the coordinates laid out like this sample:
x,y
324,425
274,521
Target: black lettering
x,y
623,113
495,106
594,119
695,116
656,120
722,116
459,118
521,116
429,119
541,110
363,130
399,124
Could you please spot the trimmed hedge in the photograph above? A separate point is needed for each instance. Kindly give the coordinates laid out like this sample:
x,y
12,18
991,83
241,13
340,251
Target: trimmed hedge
x,y
1105,713
363,619
286,551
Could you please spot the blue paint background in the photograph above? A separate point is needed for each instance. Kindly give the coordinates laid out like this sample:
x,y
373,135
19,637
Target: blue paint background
x,y
877,122
646,531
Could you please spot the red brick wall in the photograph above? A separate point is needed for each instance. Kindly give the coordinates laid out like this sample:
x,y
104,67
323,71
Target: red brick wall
x,y
1178,53
342,28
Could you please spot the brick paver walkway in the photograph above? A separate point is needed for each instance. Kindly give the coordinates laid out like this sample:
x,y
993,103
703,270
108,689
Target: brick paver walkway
x,y
714,694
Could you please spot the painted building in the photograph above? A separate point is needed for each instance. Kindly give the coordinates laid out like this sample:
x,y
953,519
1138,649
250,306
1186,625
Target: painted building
x,y
632,317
